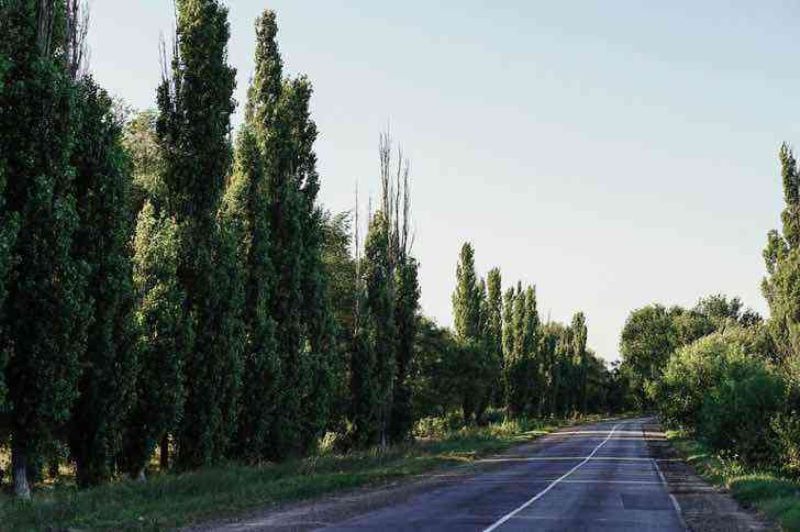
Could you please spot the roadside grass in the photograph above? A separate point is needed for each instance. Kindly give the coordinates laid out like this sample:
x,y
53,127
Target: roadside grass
x,y
171,500
767,491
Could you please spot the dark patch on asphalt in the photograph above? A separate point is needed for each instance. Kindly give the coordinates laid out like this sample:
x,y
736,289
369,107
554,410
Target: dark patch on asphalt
x,y
636,501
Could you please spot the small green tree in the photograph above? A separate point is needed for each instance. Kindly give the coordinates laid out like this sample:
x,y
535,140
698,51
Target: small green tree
x,y
165,340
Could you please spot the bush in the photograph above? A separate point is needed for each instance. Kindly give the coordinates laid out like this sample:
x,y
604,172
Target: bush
x,y
690,373
786,427
736,414
714,388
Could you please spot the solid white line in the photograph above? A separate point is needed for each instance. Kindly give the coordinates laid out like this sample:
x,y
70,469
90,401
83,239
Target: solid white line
x,y
671,496
553,484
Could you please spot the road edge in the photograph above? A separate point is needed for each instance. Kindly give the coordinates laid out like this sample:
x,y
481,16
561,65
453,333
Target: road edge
x,y
703,506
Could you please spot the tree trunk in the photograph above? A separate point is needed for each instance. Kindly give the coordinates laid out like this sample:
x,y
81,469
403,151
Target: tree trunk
x,y
164,455
52,468
19,468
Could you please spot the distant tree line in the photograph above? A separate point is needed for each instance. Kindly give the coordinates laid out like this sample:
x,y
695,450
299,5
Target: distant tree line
x,y
509,358
171,289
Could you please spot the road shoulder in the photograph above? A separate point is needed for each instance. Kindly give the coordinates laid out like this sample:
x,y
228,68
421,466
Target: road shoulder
x,y
703,507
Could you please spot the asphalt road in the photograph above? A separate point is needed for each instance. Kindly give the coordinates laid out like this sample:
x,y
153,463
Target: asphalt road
x,y
595,477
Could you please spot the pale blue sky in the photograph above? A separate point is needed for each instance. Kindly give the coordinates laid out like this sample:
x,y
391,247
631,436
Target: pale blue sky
x,y
612,153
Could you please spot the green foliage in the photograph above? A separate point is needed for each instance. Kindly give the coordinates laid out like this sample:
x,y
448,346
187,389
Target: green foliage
x,y
521,360
106,385
320,354
435,371
165,340
193,128
467,297
689,375
733,415
406,321
479,362
781,287
580,357
379,316
291,331
716,388
45,318
246,204
8,220
141,144
493,331
648,340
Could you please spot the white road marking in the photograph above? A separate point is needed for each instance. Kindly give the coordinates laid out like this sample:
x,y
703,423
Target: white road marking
x,y
571,458
671,496
553,484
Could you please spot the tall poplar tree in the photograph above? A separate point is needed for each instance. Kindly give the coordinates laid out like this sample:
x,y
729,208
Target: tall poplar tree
x,y
290,328
246,206
46,280
468,299
407,293
160,316
195,104
106,385
532,367
319,328
521,371
782,257
8,220
581,358
493,331
379,313
407,320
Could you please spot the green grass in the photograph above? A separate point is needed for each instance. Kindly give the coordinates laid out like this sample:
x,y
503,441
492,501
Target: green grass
x,y
172,500
775,496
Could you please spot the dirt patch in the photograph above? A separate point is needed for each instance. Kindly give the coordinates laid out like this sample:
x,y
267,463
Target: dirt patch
x,y
704,507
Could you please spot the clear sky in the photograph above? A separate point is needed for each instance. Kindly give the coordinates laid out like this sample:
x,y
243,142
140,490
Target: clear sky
x,y
612,153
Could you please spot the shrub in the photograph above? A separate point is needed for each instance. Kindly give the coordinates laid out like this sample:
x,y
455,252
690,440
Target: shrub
x,y
730,398
736,414
690,373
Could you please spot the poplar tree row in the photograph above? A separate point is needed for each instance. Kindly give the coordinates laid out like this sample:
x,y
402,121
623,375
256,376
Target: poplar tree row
x,y
167,290
513,360
156,288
